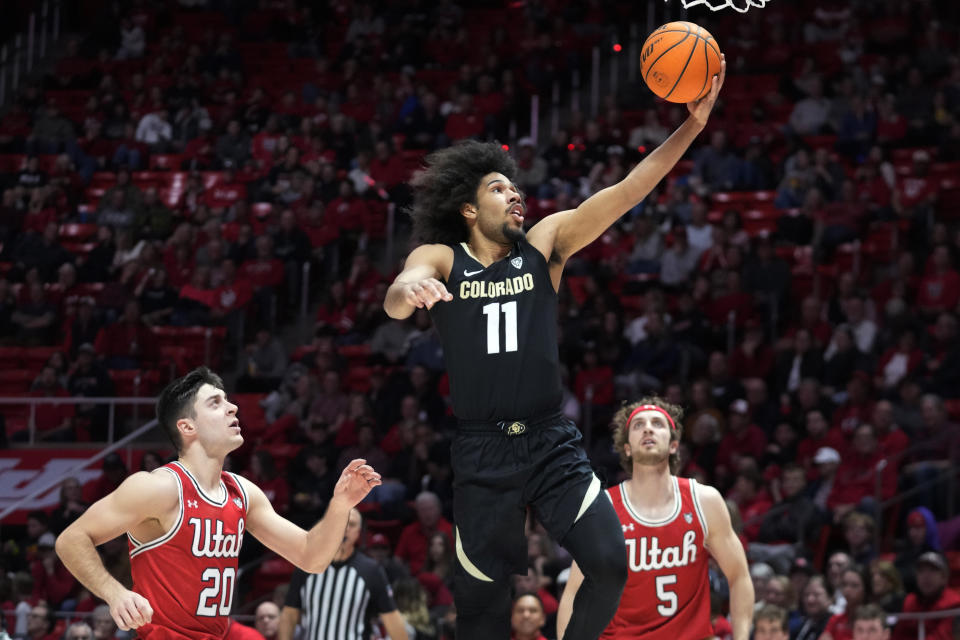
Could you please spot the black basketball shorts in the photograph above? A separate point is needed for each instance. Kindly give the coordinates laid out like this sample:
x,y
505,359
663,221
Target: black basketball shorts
x,y
502,468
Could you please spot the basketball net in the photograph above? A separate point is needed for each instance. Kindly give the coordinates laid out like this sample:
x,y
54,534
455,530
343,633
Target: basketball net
x,y
716,5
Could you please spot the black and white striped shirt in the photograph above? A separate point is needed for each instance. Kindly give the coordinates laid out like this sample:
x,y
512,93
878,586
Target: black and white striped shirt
x,y
339,603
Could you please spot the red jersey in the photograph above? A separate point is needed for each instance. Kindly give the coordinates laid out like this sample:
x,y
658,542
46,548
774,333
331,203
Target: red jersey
x,y
188,574
668,593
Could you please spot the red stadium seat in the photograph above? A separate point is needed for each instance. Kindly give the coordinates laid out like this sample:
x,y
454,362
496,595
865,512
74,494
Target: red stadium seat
x,y
165,161
33,358
78,231
10,357
16,382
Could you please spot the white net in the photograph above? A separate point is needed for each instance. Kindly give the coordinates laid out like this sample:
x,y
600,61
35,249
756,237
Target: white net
x,y
716,5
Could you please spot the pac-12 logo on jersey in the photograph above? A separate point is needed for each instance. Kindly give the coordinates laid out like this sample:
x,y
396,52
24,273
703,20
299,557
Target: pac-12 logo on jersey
x,y
517,262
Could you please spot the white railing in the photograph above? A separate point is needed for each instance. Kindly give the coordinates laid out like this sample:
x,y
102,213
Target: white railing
x,y
42,488
111,403
921,618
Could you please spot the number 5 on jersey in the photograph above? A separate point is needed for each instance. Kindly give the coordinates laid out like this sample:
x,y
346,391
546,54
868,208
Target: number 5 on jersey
x,y
208,605
667,598
492,311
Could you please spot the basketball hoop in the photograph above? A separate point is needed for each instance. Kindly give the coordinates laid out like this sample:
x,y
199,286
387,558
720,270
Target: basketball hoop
x,y
716,5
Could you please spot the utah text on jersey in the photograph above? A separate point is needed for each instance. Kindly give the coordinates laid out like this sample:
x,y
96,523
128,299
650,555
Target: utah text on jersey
x,y
645,553
216,544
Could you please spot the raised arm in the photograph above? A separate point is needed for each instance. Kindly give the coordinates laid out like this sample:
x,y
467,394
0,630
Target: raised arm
x,y
567,232
141,498
420,283
725,547
311,550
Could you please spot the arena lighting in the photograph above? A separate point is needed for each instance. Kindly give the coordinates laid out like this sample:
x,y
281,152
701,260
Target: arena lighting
x,y
617,47
505,147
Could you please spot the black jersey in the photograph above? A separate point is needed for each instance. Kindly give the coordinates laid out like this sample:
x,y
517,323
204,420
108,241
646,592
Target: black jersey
x,y
499,336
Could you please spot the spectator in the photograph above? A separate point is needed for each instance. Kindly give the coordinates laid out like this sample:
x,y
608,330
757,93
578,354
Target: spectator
x,y
855,485
233,147
931,594
803,360
52,582
415,538
816,609
922,537
899,361
412,605
291,245
770,623
743,439
827,461
887,586
35,320
53,422
79,631
679,260
527,618
89,379
794,519
858,532
940,289
40,623
717,166
267,619
70,507
531,168
378,548
752,499
127,343
155,131
855,585
811,114
870,622
104,628
51,131
264,363
154,219
132,40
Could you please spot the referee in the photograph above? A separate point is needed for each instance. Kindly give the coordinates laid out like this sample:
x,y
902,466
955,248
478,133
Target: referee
x,y
340,603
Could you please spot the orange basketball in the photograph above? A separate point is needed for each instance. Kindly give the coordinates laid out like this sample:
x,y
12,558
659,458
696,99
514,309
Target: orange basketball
x,y
679,60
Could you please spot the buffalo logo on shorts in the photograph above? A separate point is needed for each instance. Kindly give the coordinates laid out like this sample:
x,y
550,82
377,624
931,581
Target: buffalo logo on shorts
x,y
516,428
688,517
517,262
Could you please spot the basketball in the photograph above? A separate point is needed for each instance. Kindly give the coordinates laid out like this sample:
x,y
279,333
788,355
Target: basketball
x,y
678,61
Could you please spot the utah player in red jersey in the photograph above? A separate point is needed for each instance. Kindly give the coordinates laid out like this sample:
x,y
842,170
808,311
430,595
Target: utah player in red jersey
x,y
185,522
668,523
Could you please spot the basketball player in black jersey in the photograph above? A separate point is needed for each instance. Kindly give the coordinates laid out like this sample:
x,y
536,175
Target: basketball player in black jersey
x,y
491,290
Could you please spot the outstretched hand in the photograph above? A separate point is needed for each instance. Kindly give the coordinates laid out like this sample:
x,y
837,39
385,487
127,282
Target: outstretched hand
x,y
356,481
700,109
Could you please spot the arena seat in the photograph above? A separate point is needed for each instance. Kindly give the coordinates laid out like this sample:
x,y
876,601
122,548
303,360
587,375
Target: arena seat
x,y
16,382
272,572
389,528
165,161
78,231
33,358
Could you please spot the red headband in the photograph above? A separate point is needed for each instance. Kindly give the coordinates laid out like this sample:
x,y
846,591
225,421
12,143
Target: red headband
x,y
650,407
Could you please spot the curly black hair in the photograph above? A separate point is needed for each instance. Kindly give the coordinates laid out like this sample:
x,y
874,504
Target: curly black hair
x,y
451,179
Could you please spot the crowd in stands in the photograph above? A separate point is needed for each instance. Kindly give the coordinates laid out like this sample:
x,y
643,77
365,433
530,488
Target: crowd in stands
x,y
793,283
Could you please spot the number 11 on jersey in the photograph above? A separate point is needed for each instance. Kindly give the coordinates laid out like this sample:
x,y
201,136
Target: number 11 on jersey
x,y
492,311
